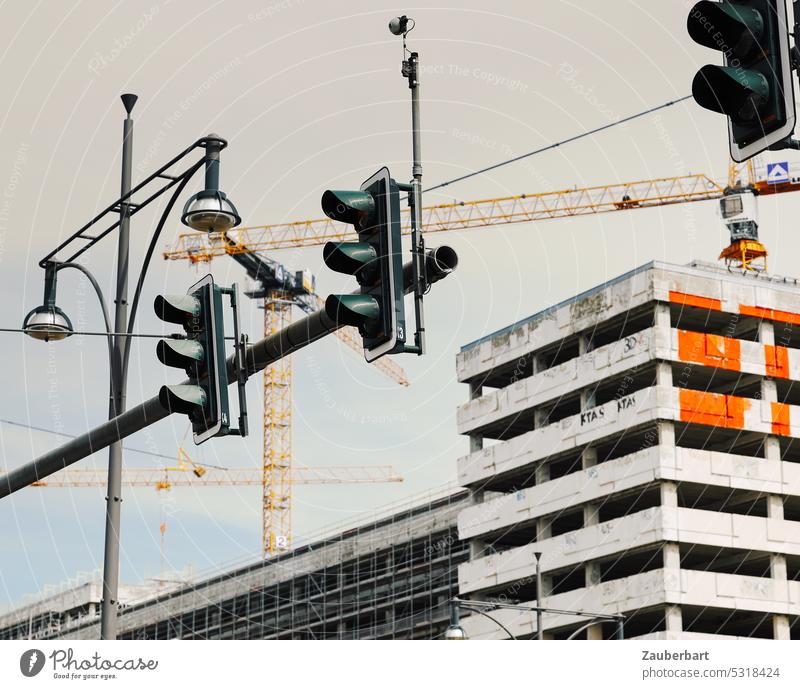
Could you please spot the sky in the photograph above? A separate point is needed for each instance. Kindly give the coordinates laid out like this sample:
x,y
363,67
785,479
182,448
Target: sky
x,y
309,96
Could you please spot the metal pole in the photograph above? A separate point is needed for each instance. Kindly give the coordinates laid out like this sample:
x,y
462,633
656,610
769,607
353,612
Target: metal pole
x,y
418,242
257,357
109,603
539,626
620,628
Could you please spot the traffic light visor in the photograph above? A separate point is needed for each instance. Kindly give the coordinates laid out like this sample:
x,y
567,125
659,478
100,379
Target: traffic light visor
x,y
353,207
737,93
734,29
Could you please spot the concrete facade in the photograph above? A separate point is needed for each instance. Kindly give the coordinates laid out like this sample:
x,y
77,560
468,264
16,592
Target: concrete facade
x,y
641,436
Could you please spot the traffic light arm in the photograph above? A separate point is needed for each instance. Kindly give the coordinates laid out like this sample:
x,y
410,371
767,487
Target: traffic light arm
x,y
439,263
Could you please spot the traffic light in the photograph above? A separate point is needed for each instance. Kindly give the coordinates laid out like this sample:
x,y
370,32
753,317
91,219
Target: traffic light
x,y
201,355
754,88
378,310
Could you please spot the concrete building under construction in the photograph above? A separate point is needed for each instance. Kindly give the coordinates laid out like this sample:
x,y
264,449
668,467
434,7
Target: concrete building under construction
x,y
390,578
641,437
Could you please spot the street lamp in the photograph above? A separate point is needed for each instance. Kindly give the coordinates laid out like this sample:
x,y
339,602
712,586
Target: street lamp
x,y
455,632
48,322
209,210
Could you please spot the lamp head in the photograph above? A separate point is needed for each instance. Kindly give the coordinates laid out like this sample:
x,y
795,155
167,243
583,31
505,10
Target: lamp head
x,y
210,211
455,632
47,322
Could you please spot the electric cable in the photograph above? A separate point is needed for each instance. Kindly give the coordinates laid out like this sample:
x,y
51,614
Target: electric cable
x,y
550,147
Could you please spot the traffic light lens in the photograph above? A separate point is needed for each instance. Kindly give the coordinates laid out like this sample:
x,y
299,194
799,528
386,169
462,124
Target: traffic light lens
x,y
737,93
352,207
183,399
350,258
176,308
179,353
733,29
352,309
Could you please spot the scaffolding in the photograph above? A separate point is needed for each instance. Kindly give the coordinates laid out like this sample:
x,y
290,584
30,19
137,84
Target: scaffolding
x,y
389,578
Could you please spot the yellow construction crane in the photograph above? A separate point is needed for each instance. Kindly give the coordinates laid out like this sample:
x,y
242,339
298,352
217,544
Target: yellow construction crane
x,y
462,215
744,182
190,474
187,473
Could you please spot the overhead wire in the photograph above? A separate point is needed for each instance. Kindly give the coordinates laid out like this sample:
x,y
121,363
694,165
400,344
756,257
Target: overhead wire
x,y
563,142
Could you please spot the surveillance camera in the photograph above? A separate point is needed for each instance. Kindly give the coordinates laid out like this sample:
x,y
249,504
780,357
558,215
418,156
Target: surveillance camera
x,y
398,25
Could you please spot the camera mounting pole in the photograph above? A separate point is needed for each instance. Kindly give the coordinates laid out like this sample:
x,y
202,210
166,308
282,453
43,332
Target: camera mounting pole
x,y
401,26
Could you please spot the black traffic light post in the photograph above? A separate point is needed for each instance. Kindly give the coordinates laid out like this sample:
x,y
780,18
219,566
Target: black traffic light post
x,y
754,88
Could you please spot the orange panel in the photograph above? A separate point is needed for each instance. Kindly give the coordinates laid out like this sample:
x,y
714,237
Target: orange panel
x,y
770,314
712,409
777,360
710,350
695,300
781,424
736,407
691,346
703,407
715,346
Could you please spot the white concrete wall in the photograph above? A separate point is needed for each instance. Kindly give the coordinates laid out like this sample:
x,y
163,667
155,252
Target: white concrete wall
x,y
555,325
650,589
643,406
638,469
647,527
585,371
653,284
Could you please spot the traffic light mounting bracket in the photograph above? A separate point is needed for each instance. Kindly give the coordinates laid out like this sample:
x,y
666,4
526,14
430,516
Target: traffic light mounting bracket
x,y
789,142
239,360
420,286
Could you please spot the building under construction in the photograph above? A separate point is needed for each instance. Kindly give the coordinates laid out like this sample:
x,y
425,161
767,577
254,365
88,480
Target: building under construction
x,y
641,437
390,578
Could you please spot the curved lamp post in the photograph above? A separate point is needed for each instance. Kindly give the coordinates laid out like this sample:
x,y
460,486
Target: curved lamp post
x,y
208,210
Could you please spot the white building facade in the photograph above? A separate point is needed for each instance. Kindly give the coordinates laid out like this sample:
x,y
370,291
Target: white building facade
x,y
643,437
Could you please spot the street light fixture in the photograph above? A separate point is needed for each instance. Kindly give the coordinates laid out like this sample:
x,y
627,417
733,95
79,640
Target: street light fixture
x,y
211,210
455,632
48,322
208,210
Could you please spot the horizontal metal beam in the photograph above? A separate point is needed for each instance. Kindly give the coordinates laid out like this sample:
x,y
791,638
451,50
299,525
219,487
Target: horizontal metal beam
x,y
440,263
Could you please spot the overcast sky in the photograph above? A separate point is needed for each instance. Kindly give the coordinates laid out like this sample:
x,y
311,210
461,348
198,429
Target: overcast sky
x,y
310,96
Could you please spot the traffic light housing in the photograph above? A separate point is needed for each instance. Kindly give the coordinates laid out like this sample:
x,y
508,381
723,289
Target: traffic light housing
x,y
754,88
201,355
378,309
